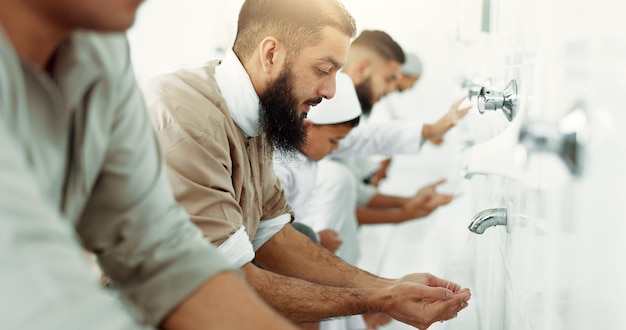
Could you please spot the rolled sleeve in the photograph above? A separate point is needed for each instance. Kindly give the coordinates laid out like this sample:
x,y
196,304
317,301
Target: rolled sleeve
x,y
268,228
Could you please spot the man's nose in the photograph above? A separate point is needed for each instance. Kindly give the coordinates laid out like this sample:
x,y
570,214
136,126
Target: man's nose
x,y
329,88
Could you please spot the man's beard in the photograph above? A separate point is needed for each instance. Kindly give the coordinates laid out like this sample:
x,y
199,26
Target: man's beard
x,y
364,92
279,120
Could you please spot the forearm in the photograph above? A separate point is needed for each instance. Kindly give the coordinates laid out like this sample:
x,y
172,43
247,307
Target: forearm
x,y
224,302
303,301
386,201
371,216
292,254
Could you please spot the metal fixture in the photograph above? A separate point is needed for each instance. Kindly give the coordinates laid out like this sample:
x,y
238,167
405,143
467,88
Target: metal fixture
x,y
488,218
473,91
490,100
566,138
465,174
473,87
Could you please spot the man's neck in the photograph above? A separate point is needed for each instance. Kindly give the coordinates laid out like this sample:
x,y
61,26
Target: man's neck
x,y
34,36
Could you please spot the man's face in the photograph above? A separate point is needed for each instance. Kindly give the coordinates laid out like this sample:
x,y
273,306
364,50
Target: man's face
x,y
381,82
303,82
406,82
100,15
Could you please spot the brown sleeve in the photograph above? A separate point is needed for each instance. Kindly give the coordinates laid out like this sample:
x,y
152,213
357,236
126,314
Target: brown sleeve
x,y
199,167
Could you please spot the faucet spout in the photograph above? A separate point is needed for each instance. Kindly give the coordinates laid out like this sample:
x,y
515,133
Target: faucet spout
x,y
488,218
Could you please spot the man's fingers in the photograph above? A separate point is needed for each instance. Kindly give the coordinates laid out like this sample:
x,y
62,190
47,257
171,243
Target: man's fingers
x,y
462,112
435,281
437,141
435,184
445,199
435,293
458,102
449,309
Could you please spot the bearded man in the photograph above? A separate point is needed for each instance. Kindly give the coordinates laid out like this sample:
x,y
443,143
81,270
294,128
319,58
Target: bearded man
x,y
218,125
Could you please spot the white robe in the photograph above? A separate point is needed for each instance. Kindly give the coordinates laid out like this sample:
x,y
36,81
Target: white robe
x,y
334,209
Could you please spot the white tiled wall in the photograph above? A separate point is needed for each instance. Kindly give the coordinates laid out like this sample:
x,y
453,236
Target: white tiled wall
x,y
560,263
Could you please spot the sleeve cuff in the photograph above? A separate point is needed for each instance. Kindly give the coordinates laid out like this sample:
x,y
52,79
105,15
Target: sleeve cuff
x,y
237,249
268,228
365,193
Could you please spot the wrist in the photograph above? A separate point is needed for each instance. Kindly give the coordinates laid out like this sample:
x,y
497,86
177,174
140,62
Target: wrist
x,y
381,301
401,215
427,132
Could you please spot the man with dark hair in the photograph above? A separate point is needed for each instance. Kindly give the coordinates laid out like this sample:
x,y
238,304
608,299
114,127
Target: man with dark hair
x,y
375,72
80,166
374,55
219,124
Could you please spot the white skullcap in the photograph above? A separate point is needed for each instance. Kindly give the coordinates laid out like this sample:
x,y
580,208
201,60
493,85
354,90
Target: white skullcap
x,y
412,65
342,108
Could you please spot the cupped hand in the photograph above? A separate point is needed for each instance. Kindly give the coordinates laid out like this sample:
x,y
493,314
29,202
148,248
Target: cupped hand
x,y
427,200
423,299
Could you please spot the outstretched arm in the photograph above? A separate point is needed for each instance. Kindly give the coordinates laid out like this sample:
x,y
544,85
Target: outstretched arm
x,y
305,282
392,209
435,132
290,253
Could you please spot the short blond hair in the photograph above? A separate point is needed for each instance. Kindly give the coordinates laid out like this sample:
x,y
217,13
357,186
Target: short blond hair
x,y
294,22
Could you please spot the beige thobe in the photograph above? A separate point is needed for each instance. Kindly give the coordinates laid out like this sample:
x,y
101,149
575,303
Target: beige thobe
x,y
222,177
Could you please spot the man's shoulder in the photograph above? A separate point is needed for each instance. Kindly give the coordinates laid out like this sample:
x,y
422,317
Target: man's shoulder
x,y
189,96
193,85
108,51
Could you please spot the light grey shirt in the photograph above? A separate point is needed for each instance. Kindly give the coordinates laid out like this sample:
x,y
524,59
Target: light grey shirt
x,y
80,166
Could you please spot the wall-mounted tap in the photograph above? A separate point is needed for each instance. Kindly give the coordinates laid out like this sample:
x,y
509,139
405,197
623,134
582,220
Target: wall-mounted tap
x,y
488,218
566,138
492,100
474,86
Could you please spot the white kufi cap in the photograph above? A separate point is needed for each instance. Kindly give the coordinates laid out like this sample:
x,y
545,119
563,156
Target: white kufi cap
x,y
412,65
342,108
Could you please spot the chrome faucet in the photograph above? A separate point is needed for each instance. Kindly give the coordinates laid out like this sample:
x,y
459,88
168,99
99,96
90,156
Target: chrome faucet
x,y
491,100
488,218
566,138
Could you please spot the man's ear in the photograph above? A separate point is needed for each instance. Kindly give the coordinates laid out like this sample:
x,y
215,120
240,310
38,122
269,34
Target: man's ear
x,y
362,71
271,53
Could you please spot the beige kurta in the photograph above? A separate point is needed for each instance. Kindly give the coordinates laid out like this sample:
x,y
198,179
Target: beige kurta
x,y
222,177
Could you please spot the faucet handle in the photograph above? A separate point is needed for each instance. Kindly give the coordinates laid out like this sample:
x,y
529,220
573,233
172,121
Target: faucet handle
x,y
490,100
566,138
474,86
